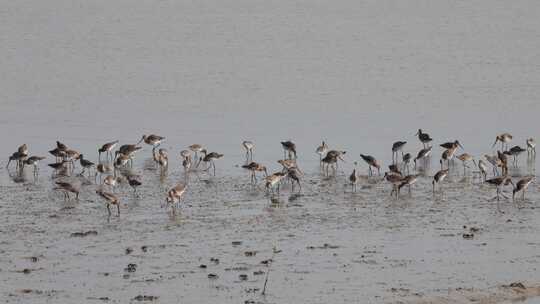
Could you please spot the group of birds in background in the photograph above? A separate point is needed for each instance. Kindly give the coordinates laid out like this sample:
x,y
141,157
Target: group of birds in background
x,y
118,163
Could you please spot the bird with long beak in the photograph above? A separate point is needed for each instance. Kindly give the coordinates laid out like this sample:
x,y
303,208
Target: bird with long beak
x,y
482,167
152,140
209,159
504,138
515,151
372,162
452,145
424,138
273,181
422,154
522,186
33,161
111,199
254,167
499,182
439,178
174,196
290,148
395,180
107,148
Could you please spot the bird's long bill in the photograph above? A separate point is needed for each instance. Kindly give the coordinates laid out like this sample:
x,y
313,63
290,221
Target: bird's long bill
x,y
496,140
416,133
459,144
139,141
342,159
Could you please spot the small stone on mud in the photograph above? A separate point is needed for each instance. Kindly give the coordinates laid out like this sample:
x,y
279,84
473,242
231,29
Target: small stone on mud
x,y
26,271
129,250
243,277
131,268
266,262
212,276
145,298
258,272
34,259
202,266
250,253
214,260
517,285
83,234
236,243
468,236
144,248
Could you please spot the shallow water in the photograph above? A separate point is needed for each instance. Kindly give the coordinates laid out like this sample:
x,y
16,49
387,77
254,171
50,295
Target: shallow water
x,y
360,75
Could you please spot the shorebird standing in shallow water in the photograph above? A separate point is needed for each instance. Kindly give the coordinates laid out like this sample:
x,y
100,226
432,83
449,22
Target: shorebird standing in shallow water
x,y
33,161
196,148
294,175
321,150
422,154
522,186
290,148
424,138
273,181
152,140
134,181
174,196
439,178
499,182
86,164
447,156
353,178
58,154
111,199
128,151
107,149
254,167
504,138
464,158
372,162
67,187
408,181
515,151
531,147
329,160
161,158
249,146
19,156
482,167
209,159
451,145
395,180
396,147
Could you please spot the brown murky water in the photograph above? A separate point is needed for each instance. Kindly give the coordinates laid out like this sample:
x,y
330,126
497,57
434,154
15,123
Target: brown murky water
x,y
359,74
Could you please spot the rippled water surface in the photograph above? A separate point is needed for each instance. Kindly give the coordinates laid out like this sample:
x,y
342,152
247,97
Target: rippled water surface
x,y
358,74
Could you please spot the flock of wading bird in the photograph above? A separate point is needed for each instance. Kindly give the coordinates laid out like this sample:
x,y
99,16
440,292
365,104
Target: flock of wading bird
x,y
117,166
